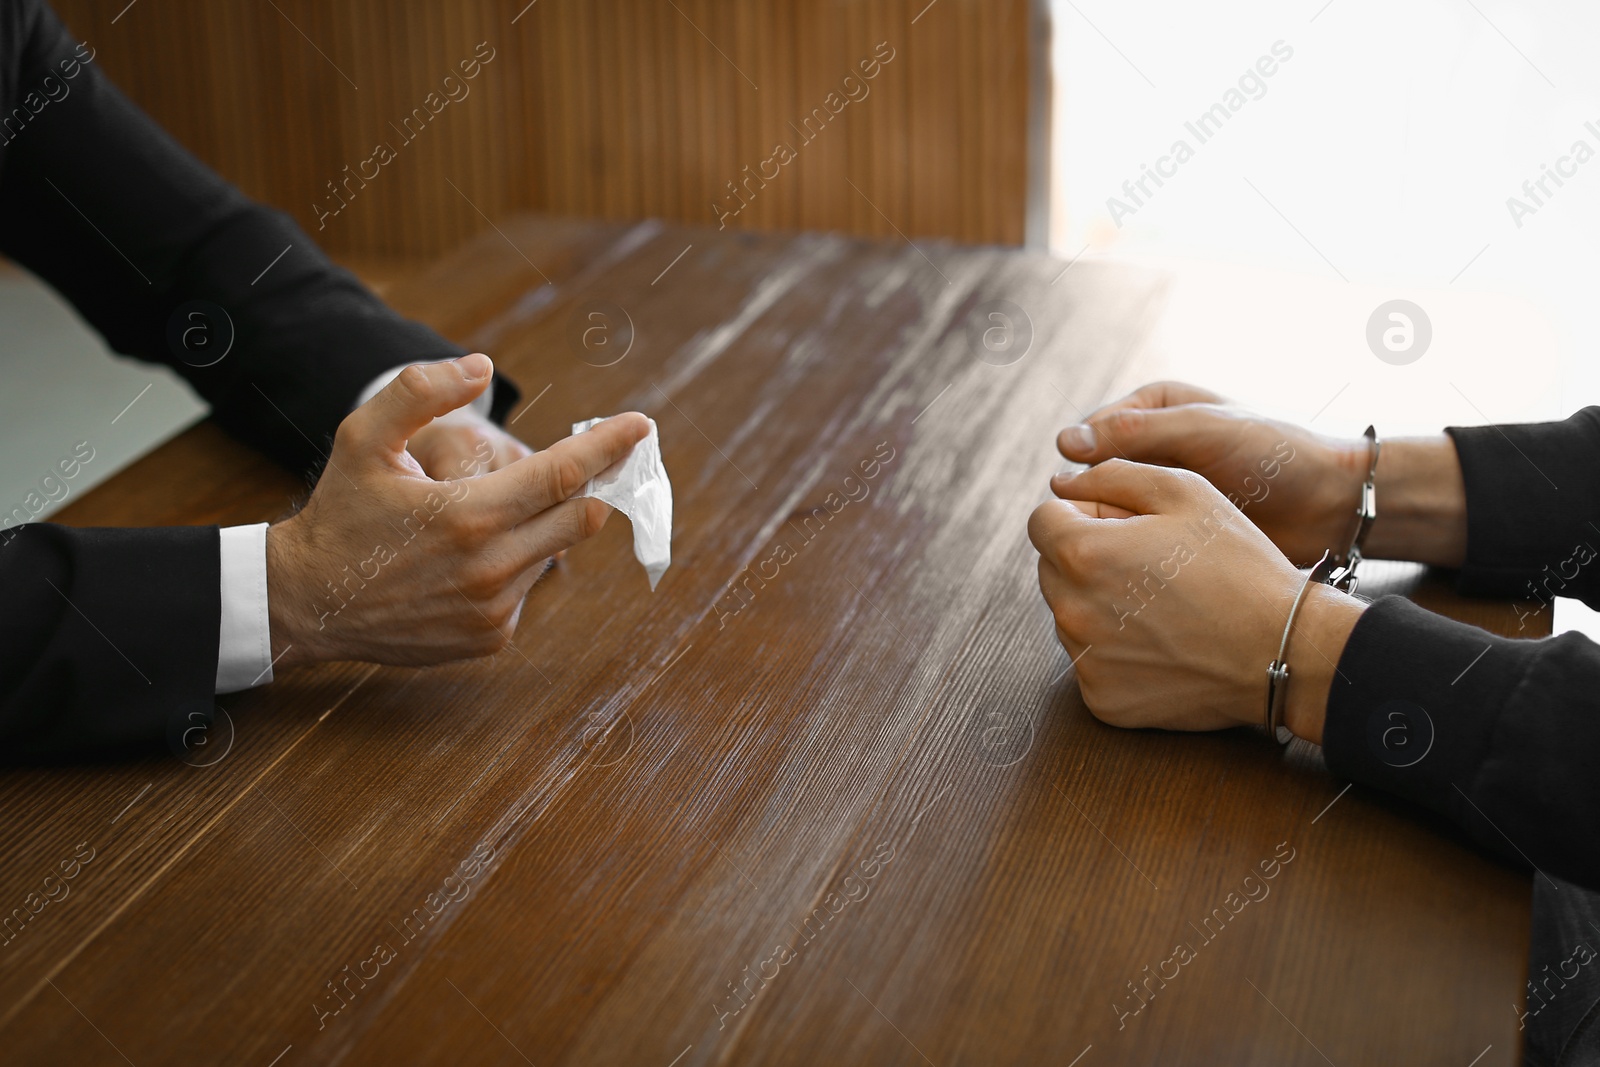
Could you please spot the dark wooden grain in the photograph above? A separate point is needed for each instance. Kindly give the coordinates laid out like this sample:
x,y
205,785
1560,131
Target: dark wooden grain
x,y
669,788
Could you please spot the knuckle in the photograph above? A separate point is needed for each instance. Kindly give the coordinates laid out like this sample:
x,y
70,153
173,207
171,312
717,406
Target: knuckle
x,y
1081,555
503,612
1181,476
1064,555
469,526
1188,484
480,583
544,479
1064,611
415,384
591,515
458,529
1060,605
570,476
1116,466
504,573
345,434
1124,422
574,521
1036,525
1071,625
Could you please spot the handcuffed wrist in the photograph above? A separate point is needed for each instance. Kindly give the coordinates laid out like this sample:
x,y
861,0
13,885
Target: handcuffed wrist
x,y
1326,619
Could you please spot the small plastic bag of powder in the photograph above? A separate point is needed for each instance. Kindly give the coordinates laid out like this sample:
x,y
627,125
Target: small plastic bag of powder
x,y
638,487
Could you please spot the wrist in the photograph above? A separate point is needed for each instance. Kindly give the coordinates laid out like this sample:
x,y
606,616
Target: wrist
x,y
1335,507
1320,631
291,611
1422,503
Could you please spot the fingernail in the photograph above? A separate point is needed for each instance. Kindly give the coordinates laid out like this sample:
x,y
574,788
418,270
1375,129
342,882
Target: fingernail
x,y
475,367
1079,438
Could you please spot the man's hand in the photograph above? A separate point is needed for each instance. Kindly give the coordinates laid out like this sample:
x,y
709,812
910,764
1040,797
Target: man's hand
x,y
443,446
465,443
388,565
1173,604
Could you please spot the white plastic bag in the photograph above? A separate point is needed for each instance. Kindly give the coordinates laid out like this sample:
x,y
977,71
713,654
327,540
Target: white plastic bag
x,y
638,487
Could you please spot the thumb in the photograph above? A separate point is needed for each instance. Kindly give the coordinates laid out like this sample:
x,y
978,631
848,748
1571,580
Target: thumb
x,y
1169,436
1079,442
418,394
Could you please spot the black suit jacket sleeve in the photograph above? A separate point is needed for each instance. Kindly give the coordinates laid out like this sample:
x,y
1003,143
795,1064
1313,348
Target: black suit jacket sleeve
x,y
110,636
111,211
1510,728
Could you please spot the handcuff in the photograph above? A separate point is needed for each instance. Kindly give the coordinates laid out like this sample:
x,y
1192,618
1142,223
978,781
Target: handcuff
x,y
1337,570
1343,577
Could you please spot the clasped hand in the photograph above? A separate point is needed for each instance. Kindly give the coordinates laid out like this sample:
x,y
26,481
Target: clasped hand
x,y
1170,598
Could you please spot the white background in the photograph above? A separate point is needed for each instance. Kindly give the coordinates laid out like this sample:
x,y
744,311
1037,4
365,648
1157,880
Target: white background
x,y
1382,156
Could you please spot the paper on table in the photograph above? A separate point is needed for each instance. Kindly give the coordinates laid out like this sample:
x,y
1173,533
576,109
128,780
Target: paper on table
x,y
638,487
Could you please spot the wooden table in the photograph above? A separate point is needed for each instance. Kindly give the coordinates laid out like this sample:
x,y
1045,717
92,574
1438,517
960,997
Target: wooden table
x,y
828,796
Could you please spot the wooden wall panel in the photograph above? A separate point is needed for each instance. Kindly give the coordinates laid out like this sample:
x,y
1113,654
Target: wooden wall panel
x,y
605,108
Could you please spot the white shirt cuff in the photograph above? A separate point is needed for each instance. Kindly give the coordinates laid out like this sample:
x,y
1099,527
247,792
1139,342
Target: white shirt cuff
x,y
479,406
244,647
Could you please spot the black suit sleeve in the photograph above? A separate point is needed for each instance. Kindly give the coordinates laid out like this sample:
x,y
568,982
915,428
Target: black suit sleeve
x,y
108,637
1508,732
100,202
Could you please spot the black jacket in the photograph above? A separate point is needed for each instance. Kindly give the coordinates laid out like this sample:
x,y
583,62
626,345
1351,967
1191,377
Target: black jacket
x,y
110,636
1511,728
1514,724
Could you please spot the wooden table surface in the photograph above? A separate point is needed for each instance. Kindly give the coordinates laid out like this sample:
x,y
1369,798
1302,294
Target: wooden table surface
x,y
853,813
